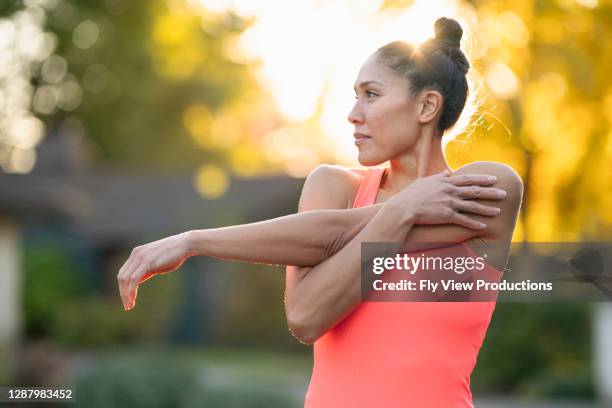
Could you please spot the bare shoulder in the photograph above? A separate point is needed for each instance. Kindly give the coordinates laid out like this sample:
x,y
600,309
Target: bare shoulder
x,y
358,172
506,175
502,226
328,186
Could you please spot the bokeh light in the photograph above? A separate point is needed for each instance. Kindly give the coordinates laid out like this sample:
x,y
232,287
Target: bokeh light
x,y
28,51
502,81
211,181
85,34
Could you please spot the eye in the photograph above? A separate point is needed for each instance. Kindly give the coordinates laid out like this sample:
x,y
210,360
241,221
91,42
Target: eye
x,y
368,93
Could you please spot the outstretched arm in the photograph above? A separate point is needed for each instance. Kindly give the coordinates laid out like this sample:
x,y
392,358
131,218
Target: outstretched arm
x,y
304,239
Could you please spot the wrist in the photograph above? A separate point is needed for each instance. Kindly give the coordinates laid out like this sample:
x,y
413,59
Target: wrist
x,y
194,242
403,213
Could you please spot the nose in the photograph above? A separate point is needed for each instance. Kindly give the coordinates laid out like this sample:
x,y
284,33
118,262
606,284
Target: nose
x,y
355,115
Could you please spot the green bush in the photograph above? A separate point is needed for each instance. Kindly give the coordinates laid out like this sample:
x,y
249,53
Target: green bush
x,y
543,350
100,321
242,398
93,321
63,307
160,382
51,278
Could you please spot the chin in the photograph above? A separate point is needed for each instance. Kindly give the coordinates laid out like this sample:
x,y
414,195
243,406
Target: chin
x,y
370,161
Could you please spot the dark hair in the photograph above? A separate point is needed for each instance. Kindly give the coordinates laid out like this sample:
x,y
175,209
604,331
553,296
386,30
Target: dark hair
x,y
438,63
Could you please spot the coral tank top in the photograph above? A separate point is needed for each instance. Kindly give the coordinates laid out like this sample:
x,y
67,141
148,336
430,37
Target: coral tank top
x,y
399,354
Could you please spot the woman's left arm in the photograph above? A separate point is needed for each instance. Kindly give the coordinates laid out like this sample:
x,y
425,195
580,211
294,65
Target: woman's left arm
x,y
304,239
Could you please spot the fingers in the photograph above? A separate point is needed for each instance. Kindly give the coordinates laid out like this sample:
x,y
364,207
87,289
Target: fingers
x,y
133,303
128,279
132,287
476,208
122,278
442,174
472,180
464,220
478,192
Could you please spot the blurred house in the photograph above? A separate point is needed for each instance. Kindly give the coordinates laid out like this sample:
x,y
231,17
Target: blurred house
x,y
111,210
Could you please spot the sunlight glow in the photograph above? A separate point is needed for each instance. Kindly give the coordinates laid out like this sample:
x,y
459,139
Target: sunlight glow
x,y
311,53
588,3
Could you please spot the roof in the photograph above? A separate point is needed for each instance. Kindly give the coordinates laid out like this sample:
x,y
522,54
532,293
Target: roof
x,y
110,204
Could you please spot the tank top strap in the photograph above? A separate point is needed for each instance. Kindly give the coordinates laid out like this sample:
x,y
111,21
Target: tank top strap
x,y
368,187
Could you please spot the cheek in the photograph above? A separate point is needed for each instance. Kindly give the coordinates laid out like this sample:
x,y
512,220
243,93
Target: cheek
x,y
394,122
374,117
382,118
400,125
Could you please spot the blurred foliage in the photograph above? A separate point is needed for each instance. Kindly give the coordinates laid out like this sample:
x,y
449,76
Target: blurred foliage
x,y
162,381
542,350
546,112
160,88
51,279
61,307
253,315
150,66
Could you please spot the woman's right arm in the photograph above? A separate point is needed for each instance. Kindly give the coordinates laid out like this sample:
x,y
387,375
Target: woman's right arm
x,y
316,298
306,239
322,227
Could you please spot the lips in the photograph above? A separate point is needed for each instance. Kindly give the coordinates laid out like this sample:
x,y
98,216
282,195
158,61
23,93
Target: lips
x,y
359,136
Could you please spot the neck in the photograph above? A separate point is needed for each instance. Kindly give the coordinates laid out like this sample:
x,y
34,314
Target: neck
x,y
423,159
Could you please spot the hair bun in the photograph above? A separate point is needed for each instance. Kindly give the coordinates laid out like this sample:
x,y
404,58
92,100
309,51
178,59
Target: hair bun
x,y
448,32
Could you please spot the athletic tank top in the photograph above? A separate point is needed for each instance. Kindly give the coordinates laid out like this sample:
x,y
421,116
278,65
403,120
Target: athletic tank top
x,y
399,354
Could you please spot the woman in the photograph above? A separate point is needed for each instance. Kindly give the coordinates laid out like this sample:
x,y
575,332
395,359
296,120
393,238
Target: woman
x,y
367,354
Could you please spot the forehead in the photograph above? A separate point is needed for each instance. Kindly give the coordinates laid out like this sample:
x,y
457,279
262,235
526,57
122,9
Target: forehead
x,y
373,72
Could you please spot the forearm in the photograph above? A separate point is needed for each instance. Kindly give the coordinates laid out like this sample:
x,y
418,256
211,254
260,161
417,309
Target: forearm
x,y
302,239
330,291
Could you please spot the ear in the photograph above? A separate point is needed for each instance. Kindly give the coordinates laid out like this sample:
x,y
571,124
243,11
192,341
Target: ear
x,y
430,105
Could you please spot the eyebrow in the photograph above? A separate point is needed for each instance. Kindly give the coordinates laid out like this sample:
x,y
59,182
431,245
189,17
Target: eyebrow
x,y
366,83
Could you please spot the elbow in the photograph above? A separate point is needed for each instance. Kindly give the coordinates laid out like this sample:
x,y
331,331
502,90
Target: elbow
x,y
305,333
302,327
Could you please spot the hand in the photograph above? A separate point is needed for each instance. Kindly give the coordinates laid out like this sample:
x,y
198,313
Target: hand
x,y
443,199
158,257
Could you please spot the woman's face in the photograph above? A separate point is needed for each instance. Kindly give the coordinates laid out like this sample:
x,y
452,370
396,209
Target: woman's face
x,y
383,112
